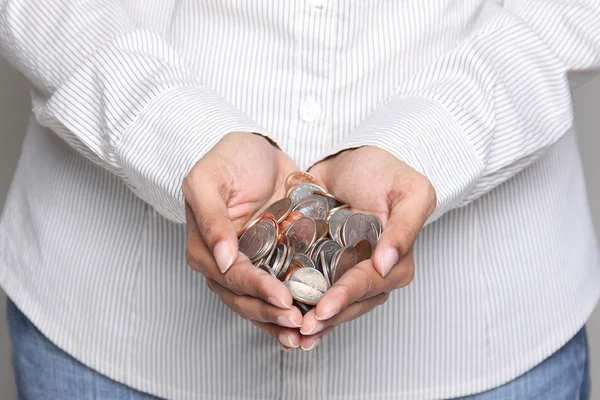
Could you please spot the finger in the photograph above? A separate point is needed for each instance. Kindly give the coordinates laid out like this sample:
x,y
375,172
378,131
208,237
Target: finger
x,y
288,338
361,282
310,342
243,278
409,209
206,193
256,309
312,326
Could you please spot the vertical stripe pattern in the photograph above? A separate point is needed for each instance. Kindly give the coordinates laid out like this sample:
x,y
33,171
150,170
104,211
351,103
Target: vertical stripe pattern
x,y
128,95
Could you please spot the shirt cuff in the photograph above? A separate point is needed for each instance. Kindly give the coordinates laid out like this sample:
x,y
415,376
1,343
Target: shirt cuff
x,y
168,137
424,135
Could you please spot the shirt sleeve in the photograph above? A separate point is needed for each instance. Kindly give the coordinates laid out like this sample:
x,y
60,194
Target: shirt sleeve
x,y
487,109
117,93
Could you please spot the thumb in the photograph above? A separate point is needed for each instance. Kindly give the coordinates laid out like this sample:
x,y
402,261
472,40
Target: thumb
x,y
214,223
405,222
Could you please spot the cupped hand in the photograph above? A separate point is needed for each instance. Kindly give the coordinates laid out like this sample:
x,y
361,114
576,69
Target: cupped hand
x,y
373,181
238,177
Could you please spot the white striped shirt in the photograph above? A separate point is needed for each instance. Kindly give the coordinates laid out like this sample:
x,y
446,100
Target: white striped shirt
x,y
127,95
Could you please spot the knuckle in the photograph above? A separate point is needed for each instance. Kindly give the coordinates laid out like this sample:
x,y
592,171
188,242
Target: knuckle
x,y
404,279
365,276
193,259
209,226
237,305
382,298
232,281
262,284
345,293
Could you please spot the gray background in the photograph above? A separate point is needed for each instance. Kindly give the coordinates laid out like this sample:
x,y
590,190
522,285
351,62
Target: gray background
x,y
14,111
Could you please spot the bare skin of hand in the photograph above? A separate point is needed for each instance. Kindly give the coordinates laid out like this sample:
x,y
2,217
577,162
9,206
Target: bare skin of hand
x,y
239,176
376,182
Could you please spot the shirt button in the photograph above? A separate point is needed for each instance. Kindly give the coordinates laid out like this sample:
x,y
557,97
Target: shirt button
x,y
309,110
317,3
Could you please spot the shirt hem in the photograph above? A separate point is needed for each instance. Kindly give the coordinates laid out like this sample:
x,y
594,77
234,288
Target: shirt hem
x,y
64,341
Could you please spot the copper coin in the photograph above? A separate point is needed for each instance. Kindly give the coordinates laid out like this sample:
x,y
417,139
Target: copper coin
x,y
301,191
344,259
336,220
359,227
322,228
302,234
296,178
313,206
282,239
290,219
342,207
363,251
280,209
294,265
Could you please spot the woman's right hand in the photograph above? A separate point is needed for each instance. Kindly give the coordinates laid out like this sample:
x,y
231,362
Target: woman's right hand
x,y
237,178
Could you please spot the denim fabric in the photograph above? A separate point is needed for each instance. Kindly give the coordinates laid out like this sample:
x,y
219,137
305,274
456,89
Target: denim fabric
x,y
562,376
43,371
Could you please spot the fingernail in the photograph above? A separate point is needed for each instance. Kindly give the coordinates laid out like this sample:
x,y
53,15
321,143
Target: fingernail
x,y
279,302
285,321
223,256
318,327
284,348
327,315
286,340
388,260
312,345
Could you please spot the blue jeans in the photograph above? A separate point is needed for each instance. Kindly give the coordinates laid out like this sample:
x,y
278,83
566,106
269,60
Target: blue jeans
x,y
43,371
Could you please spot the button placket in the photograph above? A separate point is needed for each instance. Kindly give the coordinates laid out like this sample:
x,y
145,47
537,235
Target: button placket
x,y
309,110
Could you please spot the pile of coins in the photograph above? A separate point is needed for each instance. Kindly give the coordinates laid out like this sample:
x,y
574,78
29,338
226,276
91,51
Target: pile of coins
x,y
309,239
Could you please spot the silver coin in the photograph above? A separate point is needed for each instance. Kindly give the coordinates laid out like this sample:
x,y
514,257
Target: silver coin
x,y
266,268
255,242
359,227
330,248
287,261
278,259
310,277
303,293
313,250
336,220
302,307
280,209
331,200
301,234
303,190
324,268
313,206
344,259
377,224
267,259
304,260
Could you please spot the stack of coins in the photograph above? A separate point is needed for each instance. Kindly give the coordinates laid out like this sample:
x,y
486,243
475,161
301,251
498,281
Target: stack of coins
x,y
309,239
